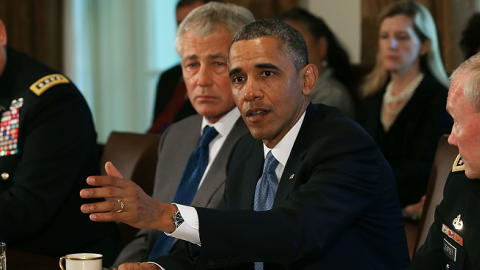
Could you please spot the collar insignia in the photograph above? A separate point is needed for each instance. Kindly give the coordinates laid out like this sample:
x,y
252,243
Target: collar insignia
x,y
458,165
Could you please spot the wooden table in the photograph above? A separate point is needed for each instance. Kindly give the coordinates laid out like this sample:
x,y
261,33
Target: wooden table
x,y
23,260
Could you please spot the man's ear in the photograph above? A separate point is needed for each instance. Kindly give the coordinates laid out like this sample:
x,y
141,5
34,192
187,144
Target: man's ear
x,y
3,34
310,76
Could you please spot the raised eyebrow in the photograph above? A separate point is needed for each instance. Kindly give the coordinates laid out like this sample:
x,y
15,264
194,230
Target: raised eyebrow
x,y
267,66
234,71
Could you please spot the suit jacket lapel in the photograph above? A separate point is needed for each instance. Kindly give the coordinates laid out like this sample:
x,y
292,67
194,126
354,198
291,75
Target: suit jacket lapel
x,y
253,172
299,150
166,185
216,174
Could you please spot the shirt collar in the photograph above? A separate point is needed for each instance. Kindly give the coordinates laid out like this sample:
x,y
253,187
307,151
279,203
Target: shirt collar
x,y
282,150
225,124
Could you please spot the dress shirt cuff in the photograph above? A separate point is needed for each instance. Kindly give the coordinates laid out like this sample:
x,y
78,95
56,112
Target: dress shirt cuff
x,y
188,231
157,265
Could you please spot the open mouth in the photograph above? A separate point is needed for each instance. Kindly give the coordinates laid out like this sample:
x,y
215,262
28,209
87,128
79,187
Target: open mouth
x,y
256,114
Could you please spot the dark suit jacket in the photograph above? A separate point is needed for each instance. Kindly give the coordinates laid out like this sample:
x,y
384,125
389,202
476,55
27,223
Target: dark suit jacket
x,y
338,211
410,144
461,196
176,145
57,151
165,89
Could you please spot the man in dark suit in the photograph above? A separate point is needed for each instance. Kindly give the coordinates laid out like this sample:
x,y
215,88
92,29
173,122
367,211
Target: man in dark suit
x,y
171,102
205,72
47,149
325,198
452,242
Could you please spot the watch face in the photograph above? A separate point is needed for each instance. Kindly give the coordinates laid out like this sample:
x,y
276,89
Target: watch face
x,y
178,219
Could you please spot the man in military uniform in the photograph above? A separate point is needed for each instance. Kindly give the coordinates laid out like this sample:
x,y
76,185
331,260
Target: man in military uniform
x,y
47,150
453,240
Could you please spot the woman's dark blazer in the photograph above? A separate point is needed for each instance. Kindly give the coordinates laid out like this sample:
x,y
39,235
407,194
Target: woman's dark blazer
x,y
410,144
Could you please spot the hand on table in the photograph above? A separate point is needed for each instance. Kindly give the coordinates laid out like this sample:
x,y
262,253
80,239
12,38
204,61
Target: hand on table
x,y
414,211
417,207
139,210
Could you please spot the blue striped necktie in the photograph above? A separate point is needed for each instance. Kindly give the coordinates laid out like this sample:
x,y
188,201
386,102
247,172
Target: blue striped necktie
x,y
192,174
266,189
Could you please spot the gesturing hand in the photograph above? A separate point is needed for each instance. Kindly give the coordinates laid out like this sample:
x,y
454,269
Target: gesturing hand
x,y
139,210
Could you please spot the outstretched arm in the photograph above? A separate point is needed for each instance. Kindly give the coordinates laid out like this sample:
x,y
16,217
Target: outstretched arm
x,y
139,211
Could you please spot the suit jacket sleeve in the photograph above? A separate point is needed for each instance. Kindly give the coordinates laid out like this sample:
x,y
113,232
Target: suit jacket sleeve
x,y
55,144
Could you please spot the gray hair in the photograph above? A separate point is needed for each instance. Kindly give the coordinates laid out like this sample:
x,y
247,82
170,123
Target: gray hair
x,y
471,88
210,18
289,39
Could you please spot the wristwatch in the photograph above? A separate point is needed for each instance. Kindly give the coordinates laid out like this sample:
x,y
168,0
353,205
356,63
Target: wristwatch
x,y
177,219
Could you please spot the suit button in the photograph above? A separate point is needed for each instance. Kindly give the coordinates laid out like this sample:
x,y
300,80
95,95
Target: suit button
x,y
5,176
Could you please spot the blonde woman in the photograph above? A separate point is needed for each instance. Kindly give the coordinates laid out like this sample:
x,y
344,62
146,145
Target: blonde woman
x,y
403,107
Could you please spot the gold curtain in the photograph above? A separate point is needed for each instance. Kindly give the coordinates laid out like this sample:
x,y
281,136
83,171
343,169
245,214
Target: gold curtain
x,y
450,17
35,28
263,9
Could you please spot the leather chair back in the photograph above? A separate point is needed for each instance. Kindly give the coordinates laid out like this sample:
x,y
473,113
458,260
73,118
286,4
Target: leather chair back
x,y
442,166
135,157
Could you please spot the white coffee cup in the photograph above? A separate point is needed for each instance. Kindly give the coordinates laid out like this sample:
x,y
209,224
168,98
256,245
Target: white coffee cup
x,y
82,261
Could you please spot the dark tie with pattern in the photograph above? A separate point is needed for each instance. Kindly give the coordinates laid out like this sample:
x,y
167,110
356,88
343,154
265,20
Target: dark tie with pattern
x,y
266,189
193,173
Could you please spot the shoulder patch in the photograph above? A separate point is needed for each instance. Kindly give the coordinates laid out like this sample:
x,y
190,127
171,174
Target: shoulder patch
x,y
47,82
458,165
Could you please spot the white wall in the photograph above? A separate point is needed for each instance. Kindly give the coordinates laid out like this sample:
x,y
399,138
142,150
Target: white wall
x,y
344,19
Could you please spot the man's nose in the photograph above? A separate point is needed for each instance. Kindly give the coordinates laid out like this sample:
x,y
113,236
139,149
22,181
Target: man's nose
x,y
204,76
452,138
253,90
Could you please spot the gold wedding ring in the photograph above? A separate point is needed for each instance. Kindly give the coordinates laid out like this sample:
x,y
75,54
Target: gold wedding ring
x,y
121,206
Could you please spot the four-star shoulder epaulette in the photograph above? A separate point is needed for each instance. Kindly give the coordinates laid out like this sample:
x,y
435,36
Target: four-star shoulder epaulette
x,y
45,83
458,165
